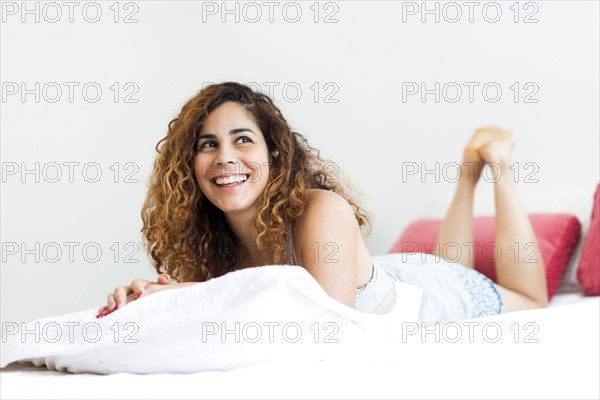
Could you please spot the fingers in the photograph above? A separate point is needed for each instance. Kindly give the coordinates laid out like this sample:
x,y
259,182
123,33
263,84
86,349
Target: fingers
x,y
120,295
116,300
111,302
139,286
164,279
110,305
124,294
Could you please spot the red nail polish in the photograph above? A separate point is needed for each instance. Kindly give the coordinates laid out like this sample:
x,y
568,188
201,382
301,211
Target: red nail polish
x,y
104,314
139,294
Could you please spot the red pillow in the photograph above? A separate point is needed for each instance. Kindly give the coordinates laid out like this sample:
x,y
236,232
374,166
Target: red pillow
x,y
557,236
588,270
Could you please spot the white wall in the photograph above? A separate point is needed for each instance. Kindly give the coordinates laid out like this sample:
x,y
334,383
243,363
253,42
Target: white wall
x,y
363,61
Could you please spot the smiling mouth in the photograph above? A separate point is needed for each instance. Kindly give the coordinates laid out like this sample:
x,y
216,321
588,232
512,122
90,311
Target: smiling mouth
x,y
231,180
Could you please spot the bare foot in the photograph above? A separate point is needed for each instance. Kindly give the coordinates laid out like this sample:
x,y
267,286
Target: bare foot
x,y
498,151
474,157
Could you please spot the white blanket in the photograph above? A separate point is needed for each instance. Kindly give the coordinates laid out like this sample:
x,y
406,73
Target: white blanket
x,y
243,318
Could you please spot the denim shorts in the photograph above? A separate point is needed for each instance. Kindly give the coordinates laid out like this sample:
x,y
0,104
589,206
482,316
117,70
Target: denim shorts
x,y
486,298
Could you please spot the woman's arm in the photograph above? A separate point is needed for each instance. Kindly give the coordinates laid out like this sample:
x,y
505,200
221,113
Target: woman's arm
x,y
326,237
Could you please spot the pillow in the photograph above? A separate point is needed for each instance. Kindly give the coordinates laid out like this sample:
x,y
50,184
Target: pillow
x,y
246,317
588,270
557,236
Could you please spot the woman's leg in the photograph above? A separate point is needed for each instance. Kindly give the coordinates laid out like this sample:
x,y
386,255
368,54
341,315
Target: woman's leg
x,y
521,283
521,277
456,233
455,239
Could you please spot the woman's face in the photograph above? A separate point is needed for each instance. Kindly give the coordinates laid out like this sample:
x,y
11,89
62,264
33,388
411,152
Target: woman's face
x,y
232,160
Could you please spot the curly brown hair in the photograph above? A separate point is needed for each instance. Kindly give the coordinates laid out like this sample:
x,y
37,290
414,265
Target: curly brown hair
x,y
185,234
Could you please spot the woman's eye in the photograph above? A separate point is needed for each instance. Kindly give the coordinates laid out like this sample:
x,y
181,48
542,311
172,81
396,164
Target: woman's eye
x,y
245,139
206,145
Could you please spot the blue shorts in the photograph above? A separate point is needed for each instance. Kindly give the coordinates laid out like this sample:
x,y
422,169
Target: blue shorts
x,y
486,298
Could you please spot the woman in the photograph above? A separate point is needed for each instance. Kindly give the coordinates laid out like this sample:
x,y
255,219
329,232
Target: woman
x,y
233,187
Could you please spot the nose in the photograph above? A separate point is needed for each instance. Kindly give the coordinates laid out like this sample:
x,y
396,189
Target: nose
x,y
225,157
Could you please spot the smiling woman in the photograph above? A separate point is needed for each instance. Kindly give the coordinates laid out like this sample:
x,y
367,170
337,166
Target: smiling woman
x,y
231,187
234,187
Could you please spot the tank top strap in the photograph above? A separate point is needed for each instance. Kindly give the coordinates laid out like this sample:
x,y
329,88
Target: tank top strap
x,y
291,253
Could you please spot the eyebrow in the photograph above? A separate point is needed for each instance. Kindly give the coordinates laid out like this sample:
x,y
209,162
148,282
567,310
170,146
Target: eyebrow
x,y
231,133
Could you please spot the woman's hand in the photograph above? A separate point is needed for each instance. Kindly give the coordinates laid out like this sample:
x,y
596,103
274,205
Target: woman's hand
x,y
138,288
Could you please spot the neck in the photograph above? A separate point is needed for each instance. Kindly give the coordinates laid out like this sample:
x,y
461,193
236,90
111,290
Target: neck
x,y
242,225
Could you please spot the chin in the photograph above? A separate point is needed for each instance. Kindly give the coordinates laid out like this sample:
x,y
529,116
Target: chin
x,y
232,207
232,203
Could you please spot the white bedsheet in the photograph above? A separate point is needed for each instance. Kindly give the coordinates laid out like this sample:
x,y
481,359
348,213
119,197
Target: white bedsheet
x,y
554,355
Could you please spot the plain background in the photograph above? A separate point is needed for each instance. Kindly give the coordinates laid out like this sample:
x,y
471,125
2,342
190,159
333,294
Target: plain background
x,y
338,70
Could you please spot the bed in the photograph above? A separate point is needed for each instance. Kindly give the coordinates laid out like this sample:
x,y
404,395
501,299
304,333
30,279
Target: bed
x,y
545,353
562,364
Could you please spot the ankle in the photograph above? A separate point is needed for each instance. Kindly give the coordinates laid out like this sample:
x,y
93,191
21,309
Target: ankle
x,y
500,171
470,172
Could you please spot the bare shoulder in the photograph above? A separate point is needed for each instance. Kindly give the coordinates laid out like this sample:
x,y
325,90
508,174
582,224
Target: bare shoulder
x,y
326,200
328,218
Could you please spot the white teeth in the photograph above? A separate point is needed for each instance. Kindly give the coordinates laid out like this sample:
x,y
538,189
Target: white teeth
x,y
231,179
